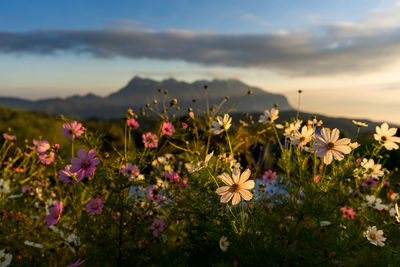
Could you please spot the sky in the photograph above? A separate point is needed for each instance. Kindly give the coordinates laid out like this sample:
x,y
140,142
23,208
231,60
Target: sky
x,y
344,55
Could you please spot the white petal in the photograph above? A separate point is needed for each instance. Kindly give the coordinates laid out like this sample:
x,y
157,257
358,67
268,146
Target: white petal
x,y
225,198
246,195
236,199
244,176
248,185
222,190
226,178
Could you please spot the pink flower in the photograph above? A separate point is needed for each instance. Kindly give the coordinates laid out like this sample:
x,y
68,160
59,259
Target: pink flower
x,y
67,176
316,178
77,263
85,165
56,146
157,226
55,214
173,177
269,176
47,158
72,130
9,137
133,124
150,140
130,170
184,125
154,194
168,128
42,146
94,206
348,212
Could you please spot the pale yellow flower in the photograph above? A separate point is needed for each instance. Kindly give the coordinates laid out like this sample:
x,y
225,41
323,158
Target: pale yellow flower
x,y
237,187
386,136
375,236
360,124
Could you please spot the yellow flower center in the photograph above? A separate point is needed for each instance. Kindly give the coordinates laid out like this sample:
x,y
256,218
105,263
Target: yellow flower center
x,y
374,236
95,206
302,139
330,145
235,187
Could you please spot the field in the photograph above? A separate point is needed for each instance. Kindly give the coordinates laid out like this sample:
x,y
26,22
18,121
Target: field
x,y
155,189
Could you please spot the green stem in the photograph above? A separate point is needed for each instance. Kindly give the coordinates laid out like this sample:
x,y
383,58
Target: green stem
x,y
229,142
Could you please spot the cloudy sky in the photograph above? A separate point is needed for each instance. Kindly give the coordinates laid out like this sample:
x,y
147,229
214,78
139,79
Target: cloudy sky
x,y
344,55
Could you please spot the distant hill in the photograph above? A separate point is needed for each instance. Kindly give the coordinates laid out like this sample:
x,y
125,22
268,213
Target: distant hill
x,y
140,91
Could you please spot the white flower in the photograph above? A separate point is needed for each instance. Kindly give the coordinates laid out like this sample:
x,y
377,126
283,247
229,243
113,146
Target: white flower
x,y
292,128
221,124
375,236
302,138
360,124
371,169
200,164
5,258
224,243
237,186
4,186
328,146
324,223
32,244
269,116
386,136
354,145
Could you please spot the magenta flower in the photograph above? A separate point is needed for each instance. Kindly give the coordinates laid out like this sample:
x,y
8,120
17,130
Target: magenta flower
x,y
154,194
150,140
370,182
47,158
184,125
42,146
77,263
130,170
85,165
157,226
269,176
348,212
54,214
168,128
67,176
72,130
132,123
9,137
94,206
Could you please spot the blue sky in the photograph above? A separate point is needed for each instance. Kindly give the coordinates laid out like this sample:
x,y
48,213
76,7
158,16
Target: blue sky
x,y
339,52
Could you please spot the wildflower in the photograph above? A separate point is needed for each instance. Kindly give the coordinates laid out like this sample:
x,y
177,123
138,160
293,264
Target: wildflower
x,y
360,124
85,165
4,186
370,182
32,244
184,125
54,214
397,213
150,140
133,124
371,169
9,137
269,116
354,145
154,194
130,171
72,130
157,226
67,176
77,263
224,243
302,138
200,164
168,128
269,176
386,136
94,206
221,124
324,223
237,186
316,178
348,212
47,158
292,128
328,146
374,236
5,258
42,146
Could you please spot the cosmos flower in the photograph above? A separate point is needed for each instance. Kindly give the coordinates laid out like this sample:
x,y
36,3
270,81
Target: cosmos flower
x,y
157,226
130,171
360,124
224,243
370,169
221,124
47,158
4,186
133,124
54,214
85,165
200,165
348,212
9,137
269,116
238,186
154,194
42,146
385,136
292,128
328,146
302,138
5,258
370,182
72,130
94,206
167,128
374,236
150,140
269,176
67,176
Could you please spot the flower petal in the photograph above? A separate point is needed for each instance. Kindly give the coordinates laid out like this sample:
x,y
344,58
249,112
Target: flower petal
x,y
226,179
236,199
244,176
222,190
246,195
248,185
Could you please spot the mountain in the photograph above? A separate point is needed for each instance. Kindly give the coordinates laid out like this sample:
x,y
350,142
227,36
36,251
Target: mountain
x,y
140,91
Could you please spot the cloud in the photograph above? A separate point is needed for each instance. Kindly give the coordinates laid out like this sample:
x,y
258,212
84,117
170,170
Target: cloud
x,y
341,48
253,18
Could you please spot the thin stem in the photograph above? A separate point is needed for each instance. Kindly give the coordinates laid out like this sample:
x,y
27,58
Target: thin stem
x,y
229,142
